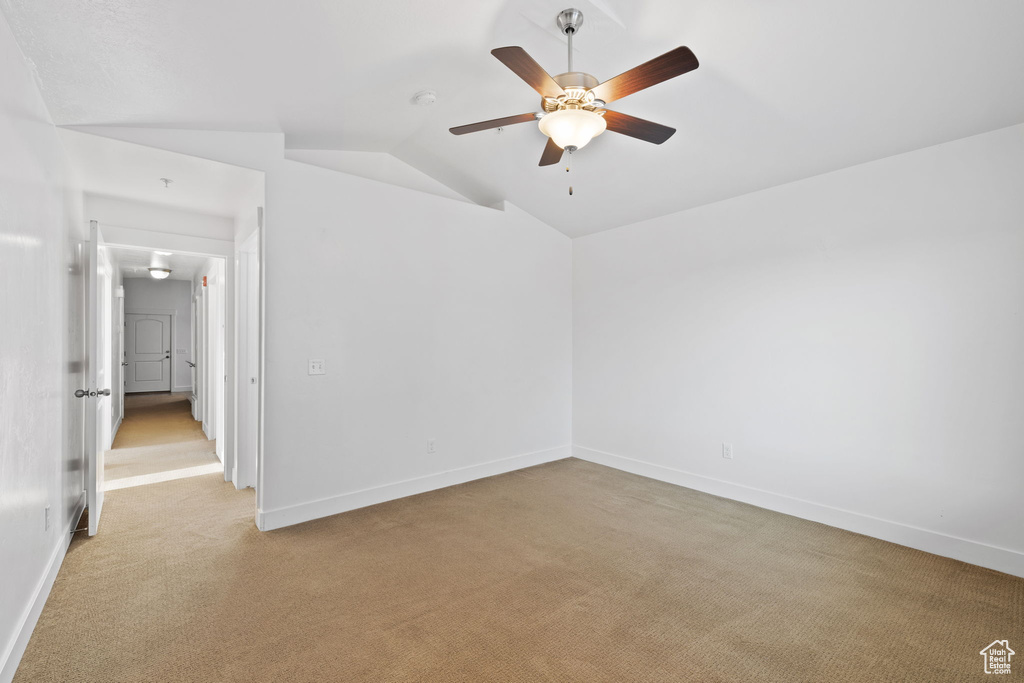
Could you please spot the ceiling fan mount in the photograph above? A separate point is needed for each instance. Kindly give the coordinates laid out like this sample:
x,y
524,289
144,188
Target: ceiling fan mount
x,y
573,102
569,20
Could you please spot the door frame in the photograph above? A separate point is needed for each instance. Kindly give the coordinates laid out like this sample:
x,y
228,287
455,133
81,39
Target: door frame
x,y
174,334
149,240
200,357
193,352
105,343
249,363
118,367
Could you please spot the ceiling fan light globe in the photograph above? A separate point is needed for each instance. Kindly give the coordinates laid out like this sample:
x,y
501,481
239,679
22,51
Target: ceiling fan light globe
x,y
572,127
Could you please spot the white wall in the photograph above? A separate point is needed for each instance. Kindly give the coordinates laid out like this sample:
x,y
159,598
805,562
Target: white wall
x,y
158,296
156,218
41,353
436,318
857,336
246,220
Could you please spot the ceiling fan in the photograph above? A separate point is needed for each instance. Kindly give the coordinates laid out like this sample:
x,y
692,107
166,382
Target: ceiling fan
x,y
574,101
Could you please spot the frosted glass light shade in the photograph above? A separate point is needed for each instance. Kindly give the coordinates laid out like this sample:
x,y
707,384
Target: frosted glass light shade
x,y
572,127
160,273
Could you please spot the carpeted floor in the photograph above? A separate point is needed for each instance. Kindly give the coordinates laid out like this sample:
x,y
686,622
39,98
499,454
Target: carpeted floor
x,y
158,434
563,572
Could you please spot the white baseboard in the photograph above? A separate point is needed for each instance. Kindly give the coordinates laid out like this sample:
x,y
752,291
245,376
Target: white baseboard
x,y
181,390
972,552
267,520
16,648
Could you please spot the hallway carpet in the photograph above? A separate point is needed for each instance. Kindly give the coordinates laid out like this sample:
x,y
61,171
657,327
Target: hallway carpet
x,y
158,434
567,571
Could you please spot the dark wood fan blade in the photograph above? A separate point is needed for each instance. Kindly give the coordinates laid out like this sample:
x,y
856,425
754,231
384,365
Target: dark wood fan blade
x,y
552,154
669,65
637,128
527,69
493,123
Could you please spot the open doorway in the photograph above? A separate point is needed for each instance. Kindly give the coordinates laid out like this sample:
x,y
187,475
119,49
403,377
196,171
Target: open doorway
x,y
172,423
174,317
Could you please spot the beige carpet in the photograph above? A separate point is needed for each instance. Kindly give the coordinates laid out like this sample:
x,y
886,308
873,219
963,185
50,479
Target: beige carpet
x,y
157,434
564,572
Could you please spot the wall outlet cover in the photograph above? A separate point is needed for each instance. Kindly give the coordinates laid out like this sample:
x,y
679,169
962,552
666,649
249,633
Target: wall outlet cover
x,y
727,451
317,366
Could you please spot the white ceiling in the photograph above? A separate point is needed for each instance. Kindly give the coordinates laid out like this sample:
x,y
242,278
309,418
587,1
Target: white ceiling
x,y
786,89
128,171
137,262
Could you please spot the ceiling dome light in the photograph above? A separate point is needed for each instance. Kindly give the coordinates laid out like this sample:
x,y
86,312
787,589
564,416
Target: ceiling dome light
x,y
572,127
160,273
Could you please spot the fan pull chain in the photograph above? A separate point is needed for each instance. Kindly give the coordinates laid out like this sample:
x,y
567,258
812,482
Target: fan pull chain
x,y
568,166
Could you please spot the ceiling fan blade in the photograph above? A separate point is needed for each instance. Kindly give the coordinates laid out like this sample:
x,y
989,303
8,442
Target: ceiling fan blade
x,y
552,154
637,128
669,65
493,123
529,70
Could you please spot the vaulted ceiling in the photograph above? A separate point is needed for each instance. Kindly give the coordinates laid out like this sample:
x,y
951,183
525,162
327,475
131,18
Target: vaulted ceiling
x,y
786,89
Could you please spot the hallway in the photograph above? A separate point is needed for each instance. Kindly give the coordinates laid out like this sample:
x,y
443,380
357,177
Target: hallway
x,y
158,441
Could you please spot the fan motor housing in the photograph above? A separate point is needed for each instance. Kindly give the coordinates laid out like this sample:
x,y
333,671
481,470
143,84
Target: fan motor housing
x,y
577,86
576,79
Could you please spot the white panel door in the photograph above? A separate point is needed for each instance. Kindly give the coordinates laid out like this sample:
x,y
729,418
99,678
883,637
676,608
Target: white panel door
x,y
93,349
148,352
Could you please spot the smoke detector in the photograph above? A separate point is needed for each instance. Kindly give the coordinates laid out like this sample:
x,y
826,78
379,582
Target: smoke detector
x,y
424,98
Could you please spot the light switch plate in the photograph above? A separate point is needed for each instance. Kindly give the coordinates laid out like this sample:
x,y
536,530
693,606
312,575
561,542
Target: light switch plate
x,y
317,366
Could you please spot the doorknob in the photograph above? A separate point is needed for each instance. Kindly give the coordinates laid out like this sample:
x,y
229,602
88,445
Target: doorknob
x,y
124,363
82,393
166,357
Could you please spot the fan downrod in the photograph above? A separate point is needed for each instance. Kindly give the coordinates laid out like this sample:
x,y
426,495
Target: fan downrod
x,y
569,21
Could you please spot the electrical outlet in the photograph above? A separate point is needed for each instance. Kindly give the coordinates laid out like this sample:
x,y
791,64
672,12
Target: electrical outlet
x,y
431,446
46,518
317,366
727,451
